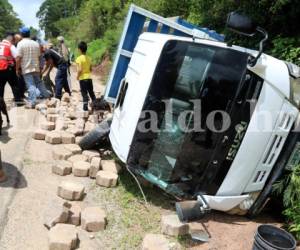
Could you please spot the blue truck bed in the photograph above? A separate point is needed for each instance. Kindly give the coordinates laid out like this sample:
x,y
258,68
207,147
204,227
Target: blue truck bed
x,y
138,21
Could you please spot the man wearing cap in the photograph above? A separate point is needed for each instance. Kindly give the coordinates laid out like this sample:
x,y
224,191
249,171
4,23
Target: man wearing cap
x,y
8,53
62,48
28,64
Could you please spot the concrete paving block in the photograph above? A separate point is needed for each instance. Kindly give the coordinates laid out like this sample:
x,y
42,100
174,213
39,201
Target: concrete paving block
x,y
40,106
66,98
52,103
39,134
78,139
63,237
91,153
62,168
60,124
52,111
53,137
48,126
73,148
81,168
77,158
110,166
171,225
70,190
93,219
57,212
82,114
61,153
67,138
75,214
75,131
95,166
106,179
71,115
155,242
52,118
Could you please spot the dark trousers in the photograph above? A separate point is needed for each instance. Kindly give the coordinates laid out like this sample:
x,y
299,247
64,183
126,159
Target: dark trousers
x,y
86,88
9,75
21,86
61,80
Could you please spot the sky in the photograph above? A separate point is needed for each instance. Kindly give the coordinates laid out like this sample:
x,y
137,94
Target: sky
x,y
26,10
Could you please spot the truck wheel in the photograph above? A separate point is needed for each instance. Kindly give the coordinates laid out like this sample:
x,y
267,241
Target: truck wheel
x,y
96,136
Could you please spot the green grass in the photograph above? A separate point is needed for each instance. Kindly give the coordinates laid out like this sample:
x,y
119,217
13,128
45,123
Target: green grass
x,y
129,219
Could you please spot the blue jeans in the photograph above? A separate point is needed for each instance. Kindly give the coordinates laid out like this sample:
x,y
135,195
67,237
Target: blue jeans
x,y
61,80
35,87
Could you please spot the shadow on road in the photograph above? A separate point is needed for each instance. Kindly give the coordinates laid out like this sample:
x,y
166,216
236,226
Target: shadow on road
x,y
4,137
15,179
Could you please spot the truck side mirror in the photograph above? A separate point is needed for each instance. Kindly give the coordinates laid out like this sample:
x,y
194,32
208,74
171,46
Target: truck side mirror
x,y
241,24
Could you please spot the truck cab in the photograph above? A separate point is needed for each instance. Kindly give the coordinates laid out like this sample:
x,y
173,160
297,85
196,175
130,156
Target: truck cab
x,y
192,116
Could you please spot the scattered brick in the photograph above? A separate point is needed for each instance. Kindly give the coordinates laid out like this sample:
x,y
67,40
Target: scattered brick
x,y
95,166
155,242
48,126
63,237
70,190
106,179
39,134
62,168
81,168
53,137
171,225
110,166
93,219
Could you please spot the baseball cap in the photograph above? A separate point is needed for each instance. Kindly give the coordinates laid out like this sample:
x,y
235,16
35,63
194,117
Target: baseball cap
x,y
60,38
24,30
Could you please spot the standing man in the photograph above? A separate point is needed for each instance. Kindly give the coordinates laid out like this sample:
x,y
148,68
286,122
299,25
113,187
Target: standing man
x,y
21,82
62,49
54,59
28,64
8,53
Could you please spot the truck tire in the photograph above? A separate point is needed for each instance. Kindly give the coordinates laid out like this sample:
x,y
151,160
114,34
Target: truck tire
x,y
97,136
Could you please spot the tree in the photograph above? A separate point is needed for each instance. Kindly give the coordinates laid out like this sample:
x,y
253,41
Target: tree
x,y
8,19
52,11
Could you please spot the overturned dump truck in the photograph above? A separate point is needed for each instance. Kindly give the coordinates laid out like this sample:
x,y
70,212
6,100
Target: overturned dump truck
x,y
207,122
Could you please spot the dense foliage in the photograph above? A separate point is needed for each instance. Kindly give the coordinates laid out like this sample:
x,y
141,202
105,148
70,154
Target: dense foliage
x,y
8,19
289,188
99,21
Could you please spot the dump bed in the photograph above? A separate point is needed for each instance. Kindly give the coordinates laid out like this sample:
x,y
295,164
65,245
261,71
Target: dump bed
x,y
139,20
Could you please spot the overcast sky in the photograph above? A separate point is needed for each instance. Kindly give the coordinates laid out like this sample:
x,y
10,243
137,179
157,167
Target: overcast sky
x,y
26,10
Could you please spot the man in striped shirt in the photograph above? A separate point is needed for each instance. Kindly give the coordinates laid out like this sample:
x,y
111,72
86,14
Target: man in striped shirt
x,y
28,64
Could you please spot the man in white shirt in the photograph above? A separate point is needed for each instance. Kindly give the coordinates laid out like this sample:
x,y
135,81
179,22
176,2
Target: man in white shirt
x,y
8,53
28,64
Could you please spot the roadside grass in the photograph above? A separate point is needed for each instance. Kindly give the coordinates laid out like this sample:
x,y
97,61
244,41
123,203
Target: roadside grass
x,y
129,219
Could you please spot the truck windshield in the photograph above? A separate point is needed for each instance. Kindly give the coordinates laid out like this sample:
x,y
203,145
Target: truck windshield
x,y
174,145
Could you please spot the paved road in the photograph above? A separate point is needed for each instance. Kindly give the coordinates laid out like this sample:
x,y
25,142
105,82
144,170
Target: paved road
x,y
13,144
31,186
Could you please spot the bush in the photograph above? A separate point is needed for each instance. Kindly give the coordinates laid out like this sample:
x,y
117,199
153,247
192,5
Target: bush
x,y
287,49
289,188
